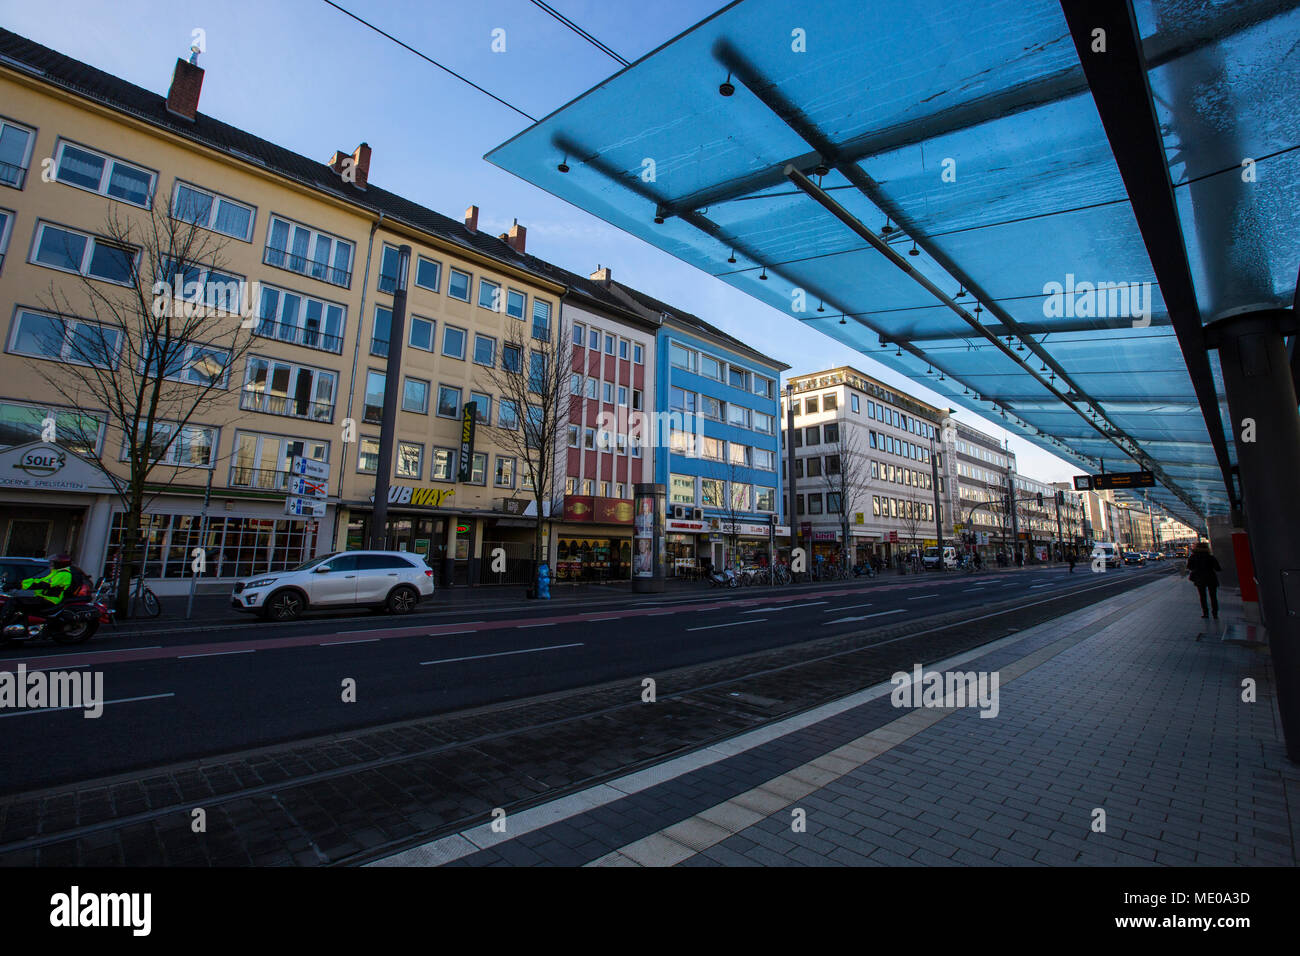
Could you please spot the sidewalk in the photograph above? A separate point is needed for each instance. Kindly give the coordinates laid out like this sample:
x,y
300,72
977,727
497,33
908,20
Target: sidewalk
x,y
1131,708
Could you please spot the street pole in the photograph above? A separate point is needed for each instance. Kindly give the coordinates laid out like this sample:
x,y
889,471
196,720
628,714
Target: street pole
x,y
790,457
1060,541
938,512
203,537
392,385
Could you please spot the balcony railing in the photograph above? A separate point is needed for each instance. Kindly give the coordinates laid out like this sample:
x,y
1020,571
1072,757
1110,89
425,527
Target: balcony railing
x,y
263,479
11,175
296,335
379,347
542,332
387,283
286,405
284,259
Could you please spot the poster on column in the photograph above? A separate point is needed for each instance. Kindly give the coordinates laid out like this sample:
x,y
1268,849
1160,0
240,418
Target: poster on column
x,y
644,536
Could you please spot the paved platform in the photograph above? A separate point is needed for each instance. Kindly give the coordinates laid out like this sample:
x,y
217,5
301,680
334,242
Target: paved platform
x,y
1131,708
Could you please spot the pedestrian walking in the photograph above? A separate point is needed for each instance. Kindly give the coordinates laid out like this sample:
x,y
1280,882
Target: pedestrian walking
x,y
1070,558
1202,570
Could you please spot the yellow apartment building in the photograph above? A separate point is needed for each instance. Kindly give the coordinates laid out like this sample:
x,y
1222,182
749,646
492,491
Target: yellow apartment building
x,y
311,246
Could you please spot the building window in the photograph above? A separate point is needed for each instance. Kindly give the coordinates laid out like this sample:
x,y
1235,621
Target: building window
x,y
812,435
428,274
815,504
6,228
587,486
443,463
300,320
389,260
638,355
713,449
410,460
710,367
622,348
77,431
738,415
39,335
609,344
368,456
593,339
448,401
831,433
102,174
763,423
853,404
681,490
373,408
210,210
681,357
830,402
15,153
740,454
575,384
607,392
763,386
811,405
711,492
284,388
515,301
741,494
482,407
415,396
505,477
622,394
579,331
814,467
485,350
738,378
541,320
508,415
511,358
458,285
711,408
764,498
832,464
478,468
765,459
309,252
573,436
489,295
593,387
453,342
636,399
383,329
79,252
421,333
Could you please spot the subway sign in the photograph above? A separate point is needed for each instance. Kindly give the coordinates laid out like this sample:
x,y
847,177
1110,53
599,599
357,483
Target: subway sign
x,y
468,417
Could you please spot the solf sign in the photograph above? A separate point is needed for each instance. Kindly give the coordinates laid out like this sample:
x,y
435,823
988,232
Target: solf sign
x,y
468,416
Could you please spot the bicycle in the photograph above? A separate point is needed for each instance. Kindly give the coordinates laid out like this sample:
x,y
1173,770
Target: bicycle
x,y
106,591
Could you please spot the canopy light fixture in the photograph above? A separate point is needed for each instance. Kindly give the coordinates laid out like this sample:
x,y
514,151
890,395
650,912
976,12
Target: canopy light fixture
x,y
763,275
899,353
887,229
725,88
961,293
914,251
732,258
820,306
978,308
659,215
564,165
1020,346
843,321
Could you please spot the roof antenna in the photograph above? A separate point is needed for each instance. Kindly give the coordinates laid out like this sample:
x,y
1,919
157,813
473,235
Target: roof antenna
x,y
195,50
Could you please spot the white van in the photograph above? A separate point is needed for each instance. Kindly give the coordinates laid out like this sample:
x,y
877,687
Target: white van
x,y
1108,552
931,559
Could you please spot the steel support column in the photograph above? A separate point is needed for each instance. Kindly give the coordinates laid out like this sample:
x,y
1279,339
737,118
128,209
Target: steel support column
x,y
1260,391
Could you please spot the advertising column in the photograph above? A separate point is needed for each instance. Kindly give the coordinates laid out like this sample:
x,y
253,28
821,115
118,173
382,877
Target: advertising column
x,y
648,538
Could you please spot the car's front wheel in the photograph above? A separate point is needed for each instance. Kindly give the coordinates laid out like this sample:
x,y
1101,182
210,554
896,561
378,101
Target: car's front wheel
x,y
402,600
283,606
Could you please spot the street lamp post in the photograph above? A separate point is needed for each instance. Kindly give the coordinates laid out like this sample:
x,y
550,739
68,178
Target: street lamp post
x,y
392,385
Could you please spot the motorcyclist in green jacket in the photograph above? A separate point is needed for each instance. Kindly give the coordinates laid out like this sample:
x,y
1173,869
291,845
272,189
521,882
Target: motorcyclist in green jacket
x,y
54,584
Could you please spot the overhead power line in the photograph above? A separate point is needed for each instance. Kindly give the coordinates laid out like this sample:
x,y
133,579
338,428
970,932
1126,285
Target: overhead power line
x,y
580,31
429,59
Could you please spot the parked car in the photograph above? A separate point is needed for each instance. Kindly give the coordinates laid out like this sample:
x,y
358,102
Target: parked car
x,y
1134,557
395,581
931,558
13,571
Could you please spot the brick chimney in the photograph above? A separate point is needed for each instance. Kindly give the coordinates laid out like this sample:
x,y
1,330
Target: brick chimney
x,y
603,275
183,97
517,237
357,165
471,218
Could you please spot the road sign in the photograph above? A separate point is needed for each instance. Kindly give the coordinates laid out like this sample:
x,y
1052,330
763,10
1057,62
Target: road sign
x,y
1083,482
308,468
304,507
308,487
1124,479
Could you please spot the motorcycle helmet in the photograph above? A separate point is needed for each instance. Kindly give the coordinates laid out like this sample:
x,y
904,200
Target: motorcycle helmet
x,y
60,561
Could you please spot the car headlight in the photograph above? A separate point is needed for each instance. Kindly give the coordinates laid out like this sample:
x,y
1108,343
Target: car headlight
x,y
259,583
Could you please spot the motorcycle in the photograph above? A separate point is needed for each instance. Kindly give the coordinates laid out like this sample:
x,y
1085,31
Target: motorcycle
x,y
75,621
726,578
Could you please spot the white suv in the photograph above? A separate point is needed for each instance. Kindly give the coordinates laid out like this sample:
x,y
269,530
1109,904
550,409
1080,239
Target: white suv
x,y
394,580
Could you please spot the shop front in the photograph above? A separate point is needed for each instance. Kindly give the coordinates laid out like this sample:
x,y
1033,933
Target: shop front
x,y
684,548
593,541
425,520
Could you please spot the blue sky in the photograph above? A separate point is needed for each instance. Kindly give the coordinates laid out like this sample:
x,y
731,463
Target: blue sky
x,y
304,75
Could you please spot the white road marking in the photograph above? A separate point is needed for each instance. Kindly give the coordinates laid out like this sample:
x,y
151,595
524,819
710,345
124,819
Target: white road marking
x,y
476,657
52,710
363,640
980,588
787,607
1048,585
216,654
922,597
732,624
847,607
446,633
862,617
524,627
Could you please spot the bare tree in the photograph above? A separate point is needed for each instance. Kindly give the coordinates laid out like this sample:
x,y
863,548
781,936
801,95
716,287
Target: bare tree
x,y
847,473
533,380
736,499
150,342
912,512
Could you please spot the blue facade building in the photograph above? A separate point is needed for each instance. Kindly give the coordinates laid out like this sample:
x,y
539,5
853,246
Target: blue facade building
x,y
718,444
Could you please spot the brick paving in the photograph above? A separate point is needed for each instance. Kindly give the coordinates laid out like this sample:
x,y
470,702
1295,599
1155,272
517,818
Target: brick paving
x,y
1132,707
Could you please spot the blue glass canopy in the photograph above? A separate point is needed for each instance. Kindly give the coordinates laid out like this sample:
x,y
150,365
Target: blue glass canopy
x,y
938,175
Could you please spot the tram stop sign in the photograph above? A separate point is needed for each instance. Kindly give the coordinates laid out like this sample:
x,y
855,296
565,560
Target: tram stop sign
x,y
1114,479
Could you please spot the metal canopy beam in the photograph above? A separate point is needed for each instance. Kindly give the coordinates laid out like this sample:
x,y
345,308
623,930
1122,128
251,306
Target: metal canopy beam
x,y
1117,77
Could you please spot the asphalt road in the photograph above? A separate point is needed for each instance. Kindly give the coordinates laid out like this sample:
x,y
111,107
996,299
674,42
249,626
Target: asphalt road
x,y
189,693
